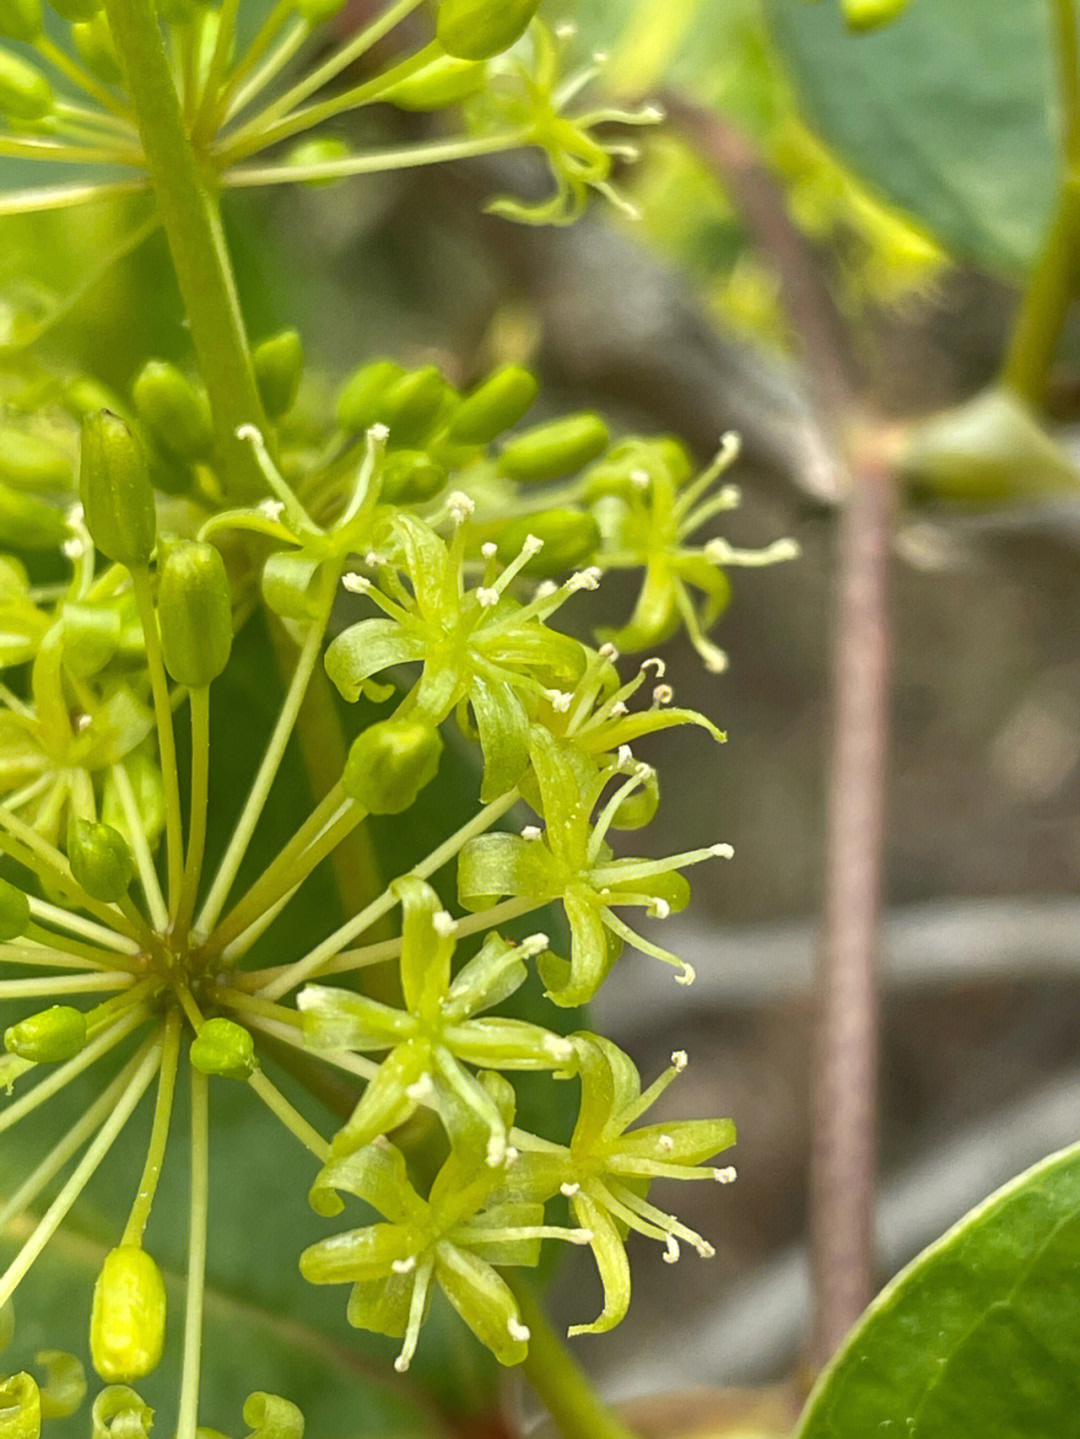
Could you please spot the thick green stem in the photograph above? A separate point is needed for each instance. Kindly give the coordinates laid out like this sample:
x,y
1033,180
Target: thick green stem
x,y
559,1379
187,202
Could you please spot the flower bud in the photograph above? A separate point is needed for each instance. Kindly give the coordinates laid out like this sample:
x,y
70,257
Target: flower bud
x,y
20,1408
92,634
114,484
25,94
176,414
119,1413
478,29
77,9
27,523
50,1037
869,14
321,150
31,461
14,912
194,605
446,80
359,400
225,1048
100,859
494,406
127,1320
571,538
391,762
549,451
410,476
94,42
278,363
20,19
409,406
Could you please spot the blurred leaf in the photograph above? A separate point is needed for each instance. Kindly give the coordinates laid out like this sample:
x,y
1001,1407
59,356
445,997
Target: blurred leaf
x,y
948,111
979,1336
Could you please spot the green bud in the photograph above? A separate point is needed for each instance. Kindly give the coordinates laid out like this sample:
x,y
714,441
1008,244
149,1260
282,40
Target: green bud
x,y
77,9
27,523
176,414
100,859
146,783
558,448
478,29
494,406
278,363
92,636
20,19
323,150
410,405
50,1037
25,94
869,14
224,1047
94,42
390,763
20,1408
194,604
31,461
360,398
409,476
446,80
14,912
571,538
127,1320
119,1413
639,807
117,497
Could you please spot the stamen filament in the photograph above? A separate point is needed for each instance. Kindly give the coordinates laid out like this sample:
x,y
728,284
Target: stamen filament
x,y
45,958
261,41
64,197
622,870
188,1413
159,685
336,1058
416,1312
159,1132
48,986
242,95
292,1119
140,848
80,78
377,162
200,773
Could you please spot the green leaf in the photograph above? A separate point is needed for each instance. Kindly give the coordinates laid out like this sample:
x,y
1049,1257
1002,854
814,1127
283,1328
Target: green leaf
x,y
948,112
979,1336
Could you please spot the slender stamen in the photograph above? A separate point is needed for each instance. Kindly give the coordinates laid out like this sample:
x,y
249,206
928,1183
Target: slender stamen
x,y
159,1131
292,1119
140,848
416,1313
196,1269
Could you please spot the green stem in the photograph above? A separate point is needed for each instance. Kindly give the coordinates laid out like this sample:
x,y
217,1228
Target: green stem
x,y
292,1119
559,1379
140,848
159,1132
196,1274
170,778
1067,45
200,778
190,216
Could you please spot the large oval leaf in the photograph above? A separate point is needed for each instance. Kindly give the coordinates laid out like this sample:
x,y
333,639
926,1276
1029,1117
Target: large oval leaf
x,y
979,1336
948,112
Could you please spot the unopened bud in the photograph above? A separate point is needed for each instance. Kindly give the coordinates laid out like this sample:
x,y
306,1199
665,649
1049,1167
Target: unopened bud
x,y
278,363
410,405
20,19
25,94
225,1048
390,763
478,29
77,9
359,403
570,538
29,523
869,14
558,448
410,476
494,406
446,80
94,42
195,613
127,1321
100,859
51,1037
115,488
175,413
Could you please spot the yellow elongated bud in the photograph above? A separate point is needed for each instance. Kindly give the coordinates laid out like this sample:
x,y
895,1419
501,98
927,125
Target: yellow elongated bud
x,y
94,42
127,1319
176,414
100,859
571,538
30,523
25,94
478,29
14,911
278,364
115,488
20,1408
20,19
225,1048
194,613
360,397
50,1037
558,448
390,763
494,406
445,81
869,14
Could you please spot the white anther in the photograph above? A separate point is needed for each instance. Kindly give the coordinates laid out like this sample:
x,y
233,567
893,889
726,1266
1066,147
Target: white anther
x,y
619,708
271,509
531,831
489,549
588,579
565,30
74,547
443,924
560,1049
671,1250
705,1249
403,1266
654,662
643,770
373,559
686,975
660,908
625,754
609,652
545,589
652,114
518,1331
666,1143
600,57
569,1190
82,722
639,479
75,514
532,546
533,944
663,694
401,1363
510,1156
582,1236
560,700
496,1151
721,851
422,1090
251,433
355,584
460,506
726,1175
378,433
679,1060
487,597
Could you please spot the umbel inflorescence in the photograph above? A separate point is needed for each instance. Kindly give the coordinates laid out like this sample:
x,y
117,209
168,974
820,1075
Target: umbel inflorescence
x,y
416,547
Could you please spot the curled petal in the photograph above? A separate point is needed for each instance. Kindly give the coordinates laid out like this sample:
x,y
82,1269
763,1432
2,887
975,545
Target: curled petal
x,y
376,1175
272,1417
610,1255
367,648
356,1255
483,1300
